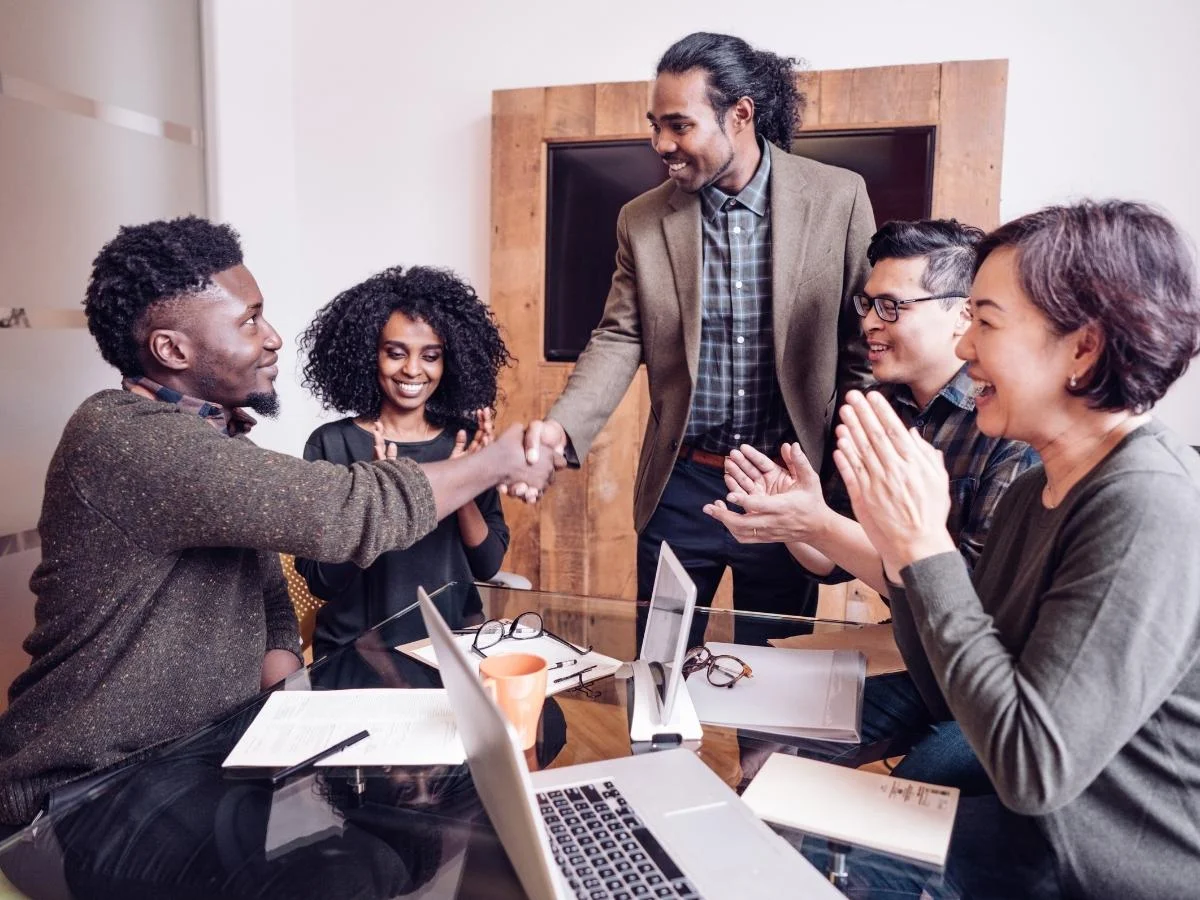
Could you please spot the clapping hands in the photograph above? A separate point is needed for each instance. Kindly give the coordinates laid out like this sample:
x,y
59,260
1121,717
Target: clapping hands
x,y
484,432
897,482
781,503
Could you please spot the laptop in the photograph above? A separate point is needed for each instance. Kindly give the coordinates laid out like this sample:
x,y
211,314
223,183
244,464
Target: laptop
x,y
656,825
668,624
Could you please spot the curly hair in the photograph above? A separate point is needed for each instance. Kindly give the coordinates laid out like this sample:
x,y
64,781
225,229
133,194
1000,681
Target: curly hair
x,y
1123,266
341,344
148,264
736,70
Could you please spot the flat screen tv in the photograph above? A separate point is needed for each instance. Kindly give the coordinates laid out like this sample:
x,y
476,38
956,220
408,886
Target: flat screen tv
x,y
589,182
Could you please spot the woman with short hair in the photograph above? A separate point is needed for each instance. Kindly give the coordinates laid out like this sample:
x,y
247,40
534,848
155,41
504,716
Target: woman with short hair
x,y
1071,657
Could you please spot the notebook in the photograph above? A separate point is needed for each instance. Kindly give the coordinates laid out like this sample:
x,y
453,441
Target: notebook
x,y
895,815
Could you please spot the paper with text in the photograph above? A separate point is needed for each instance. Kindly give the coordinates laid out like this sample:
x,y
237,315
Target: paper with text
x,y
407,727
895,815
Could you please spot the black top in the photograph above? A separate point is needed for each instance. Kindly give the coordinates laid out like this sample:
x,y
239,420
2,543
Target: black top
x,y
356,599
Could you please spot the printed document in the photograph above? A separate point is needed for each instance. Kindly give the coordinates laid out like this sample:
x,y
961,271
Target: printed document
x,y
407,727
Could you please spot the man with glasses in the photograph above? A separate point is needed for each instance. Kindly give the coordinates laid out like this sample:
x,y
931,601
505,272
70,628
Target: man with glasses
x,y
914,309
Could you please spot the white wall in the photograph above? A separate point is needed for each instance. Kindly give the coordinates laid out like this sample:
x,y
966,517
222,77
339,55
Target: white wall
x,y
353,135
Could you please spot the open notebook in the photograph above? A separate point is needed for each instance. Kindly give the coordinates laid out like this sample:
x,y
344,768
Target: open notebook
x,y
567,667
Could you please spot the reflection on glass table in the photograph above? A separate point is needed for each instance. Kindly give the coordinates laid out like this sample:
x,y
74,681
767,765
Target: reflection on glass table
x,y
171,822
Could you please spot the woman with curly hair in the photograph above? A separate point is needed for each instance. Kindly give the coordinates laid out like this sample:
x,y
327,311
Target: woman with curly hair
x,y
412,356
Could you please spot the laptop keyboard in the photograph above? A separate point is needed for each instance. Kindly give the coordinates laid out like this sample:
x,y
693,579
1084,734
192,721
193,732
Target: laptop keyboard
x,y
604,850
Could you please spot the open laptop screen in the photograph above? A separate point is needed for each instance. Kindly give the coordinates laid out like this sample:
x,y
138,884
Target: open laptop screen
x,y
667,626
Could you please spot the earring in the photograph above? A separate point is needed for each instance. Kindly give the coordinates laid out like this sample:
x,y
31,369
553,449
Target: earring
x,y
1071,384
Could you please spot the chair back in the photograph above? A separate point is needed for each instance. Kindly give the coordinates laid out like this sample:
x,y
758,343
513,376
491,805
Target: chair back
x,y
303,601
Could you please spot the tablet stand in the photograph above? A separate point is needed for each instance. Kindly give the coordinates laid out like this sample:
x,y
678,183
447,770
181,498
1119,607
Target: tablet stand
x,y
647,730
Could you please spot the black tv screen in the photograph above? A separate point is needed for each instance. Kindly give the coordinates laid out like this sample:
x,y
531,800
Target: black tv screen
x,y
589,182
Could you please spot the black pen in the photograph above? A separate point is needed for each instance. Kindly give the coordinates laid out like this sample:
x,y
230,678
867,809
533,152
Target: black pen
x,y
574,675
317,757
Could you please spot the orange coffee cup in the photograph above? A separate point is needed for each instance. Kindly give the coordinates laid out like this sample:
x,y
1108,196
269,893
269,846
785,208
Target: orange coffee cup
x,y
517,682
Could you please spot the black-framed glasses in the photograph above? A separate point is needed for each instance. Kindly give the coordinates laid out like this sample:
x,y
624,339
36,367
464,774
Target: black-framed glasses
x,y
525,627
888,308
722,669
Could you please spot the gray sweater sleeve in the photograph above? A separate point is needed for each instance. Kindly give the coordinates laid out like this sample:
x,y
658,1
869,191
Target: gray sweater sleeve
x,y
171,481
1113,619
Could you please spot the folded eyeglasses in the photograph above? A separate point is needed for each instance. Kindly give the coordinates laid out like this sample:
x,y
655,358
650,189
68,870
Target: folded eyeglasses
x,y
722,669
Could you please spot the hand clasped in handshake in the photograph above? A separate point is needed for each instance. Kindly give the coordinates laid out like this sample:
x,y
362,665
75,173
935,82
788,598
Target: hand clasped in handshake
x,y
531,456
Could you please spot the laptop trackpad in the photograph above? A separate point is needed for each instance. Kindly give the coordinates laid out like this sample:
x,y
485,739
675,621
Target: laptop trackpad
x,y
715,843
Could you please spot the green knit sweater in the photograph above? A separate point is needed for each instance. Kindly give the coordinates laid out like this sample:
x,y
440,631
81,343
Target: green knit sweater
x,y
160,588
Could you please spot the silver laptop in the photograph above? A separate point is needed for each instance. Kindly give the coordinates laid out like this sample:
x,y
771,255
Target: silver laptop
x,y
668,624
656,825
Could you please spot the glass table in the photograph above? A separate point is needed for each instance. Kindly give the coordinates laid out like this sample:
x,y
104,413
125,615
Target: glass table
x,y
172,823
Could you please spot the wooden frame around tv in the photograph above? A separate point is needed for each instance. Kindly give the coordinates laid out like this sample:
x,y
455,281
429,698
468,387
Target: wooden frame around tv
x,y
580,537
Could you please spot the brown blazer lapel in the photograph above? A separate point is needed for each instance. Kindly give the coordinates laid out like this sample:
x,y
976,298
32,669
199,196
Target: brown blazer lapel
x,y
681,229
791,212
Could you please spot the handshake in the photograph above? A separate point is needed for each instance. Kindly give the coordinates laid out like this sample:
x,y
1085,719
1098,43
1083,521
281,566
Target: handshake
x,y
530,457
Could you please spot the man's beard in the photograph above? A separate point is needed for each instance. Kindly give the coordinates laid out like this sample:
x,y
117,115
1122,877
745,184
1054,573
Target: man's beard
x,y
264,404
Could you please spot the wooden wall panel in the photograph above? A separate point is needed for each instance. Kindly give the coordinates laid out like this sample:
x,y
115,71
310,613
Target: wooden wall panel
x,y
970,142
570,110
612,468
580,537
621,108
562,554
852,97
518,241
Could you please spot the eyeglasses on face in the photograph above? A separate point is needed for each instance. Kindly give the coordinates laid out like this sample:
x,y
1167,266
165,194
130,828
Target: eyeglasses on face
x,y
526,626
888,308
722,669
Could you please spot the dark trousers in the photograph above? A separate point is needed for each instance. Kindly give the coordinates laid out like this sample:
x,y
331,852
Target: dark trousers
x,y
895,721
765,576
995,854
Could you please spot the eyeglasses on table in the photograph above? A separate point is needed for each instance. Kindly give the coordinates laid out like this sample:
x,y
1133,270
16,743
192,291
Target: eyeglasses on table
x,y
722,669
525,627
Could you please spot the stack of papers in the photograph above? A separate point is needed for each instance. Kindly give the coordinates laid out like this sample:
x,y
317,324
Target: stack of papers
x,y
590,667
895,815
407,728
796,693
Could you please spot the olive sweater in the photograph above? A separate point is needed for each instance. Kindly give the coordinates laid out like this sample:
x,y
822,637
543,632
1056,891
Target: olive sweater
x,y
160,590
1073,663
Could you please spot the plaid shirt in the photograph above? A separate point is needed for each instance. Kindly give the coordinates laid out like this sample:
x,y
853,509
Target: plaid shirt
x,y
232,422
737,398
980,467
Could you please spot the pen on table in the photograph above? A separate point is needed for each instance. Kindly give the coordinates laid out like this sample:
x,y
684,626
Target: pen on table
x,y
573,675
317,757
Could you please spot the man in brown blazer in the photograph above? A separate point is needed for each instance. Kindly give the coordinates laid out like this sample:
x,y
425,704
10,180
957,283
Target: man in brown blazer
x,y
733,285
